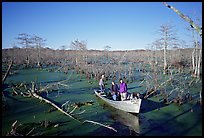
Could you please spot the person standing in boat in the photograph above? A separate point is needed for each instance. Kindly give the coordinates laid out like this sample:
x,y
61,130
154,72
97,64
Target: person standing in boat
x,y
101,84
114,91
123,90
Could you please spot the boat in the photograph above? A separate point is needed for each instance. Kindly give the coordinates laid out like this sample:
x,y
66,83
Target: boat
x,y
128,119
131,106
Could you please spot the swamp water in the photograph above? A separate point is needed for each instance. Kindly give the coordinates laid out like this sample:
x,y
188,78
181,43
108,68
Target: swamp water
x,y
155,118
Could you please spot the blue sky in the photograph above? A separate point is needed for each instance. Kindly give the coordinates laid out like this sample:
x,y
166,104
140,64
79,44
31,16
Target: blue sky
x,y
121,25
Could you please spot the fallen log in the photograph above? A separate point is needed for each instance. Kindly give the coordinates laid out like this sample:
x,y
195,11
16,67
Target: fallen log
x,y
54,105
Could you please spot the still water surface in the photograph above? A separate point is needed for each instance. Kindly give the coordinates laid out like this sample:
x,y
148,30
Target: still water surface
x,y
155,118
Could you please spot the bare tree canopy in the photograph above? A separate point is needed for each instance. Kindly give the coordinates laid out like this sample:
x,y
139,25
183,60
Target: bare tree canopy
x,y
38,41
107,48
63,47
78,45
24,39
168,36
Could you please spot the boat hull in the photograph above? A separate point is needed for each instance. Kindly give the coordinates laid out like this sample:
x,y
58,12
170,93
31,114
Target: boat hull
x,y
132,106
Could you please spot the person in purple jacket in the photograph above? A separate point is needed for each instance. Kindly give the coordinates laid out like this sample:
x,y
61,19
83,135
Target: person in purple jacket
x,y
123,90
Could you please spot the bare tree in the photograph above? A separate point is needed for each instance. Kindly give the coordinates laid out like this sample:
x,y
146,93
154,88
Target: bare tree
x,y
25,40
78,45
81,47
168,38
63,47
197,52
12,51
152,84
196,56
39,43
106,49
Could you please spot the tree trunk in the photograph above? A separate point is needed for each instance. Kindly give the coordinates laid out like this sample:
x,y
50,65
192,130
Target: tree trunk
x,y
196,59
7,72
199,62
186,18
165,47
38,64
193,59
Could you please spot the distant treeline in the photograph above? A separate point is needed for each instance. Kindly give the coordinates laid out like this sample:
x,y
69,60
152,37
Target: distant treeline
x,y
56,57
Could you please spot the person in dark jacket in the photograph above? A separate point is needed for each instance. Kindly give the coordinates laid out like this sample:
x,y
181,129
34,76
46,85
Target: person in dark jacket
x,y
114,91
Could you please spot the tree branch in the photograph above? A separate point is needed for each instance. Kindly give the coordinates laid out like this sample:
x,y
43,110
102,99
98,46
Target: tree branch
x,y
7,72
192,24
89,121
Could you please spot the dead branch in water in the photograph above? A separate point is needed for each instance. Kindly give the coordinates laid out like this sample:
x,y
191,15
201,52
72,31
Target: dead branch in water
x,y
5,76
34,94
73,109
13,130
7,72
54,105
80,112
52,85
89,121
30,131
147,95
